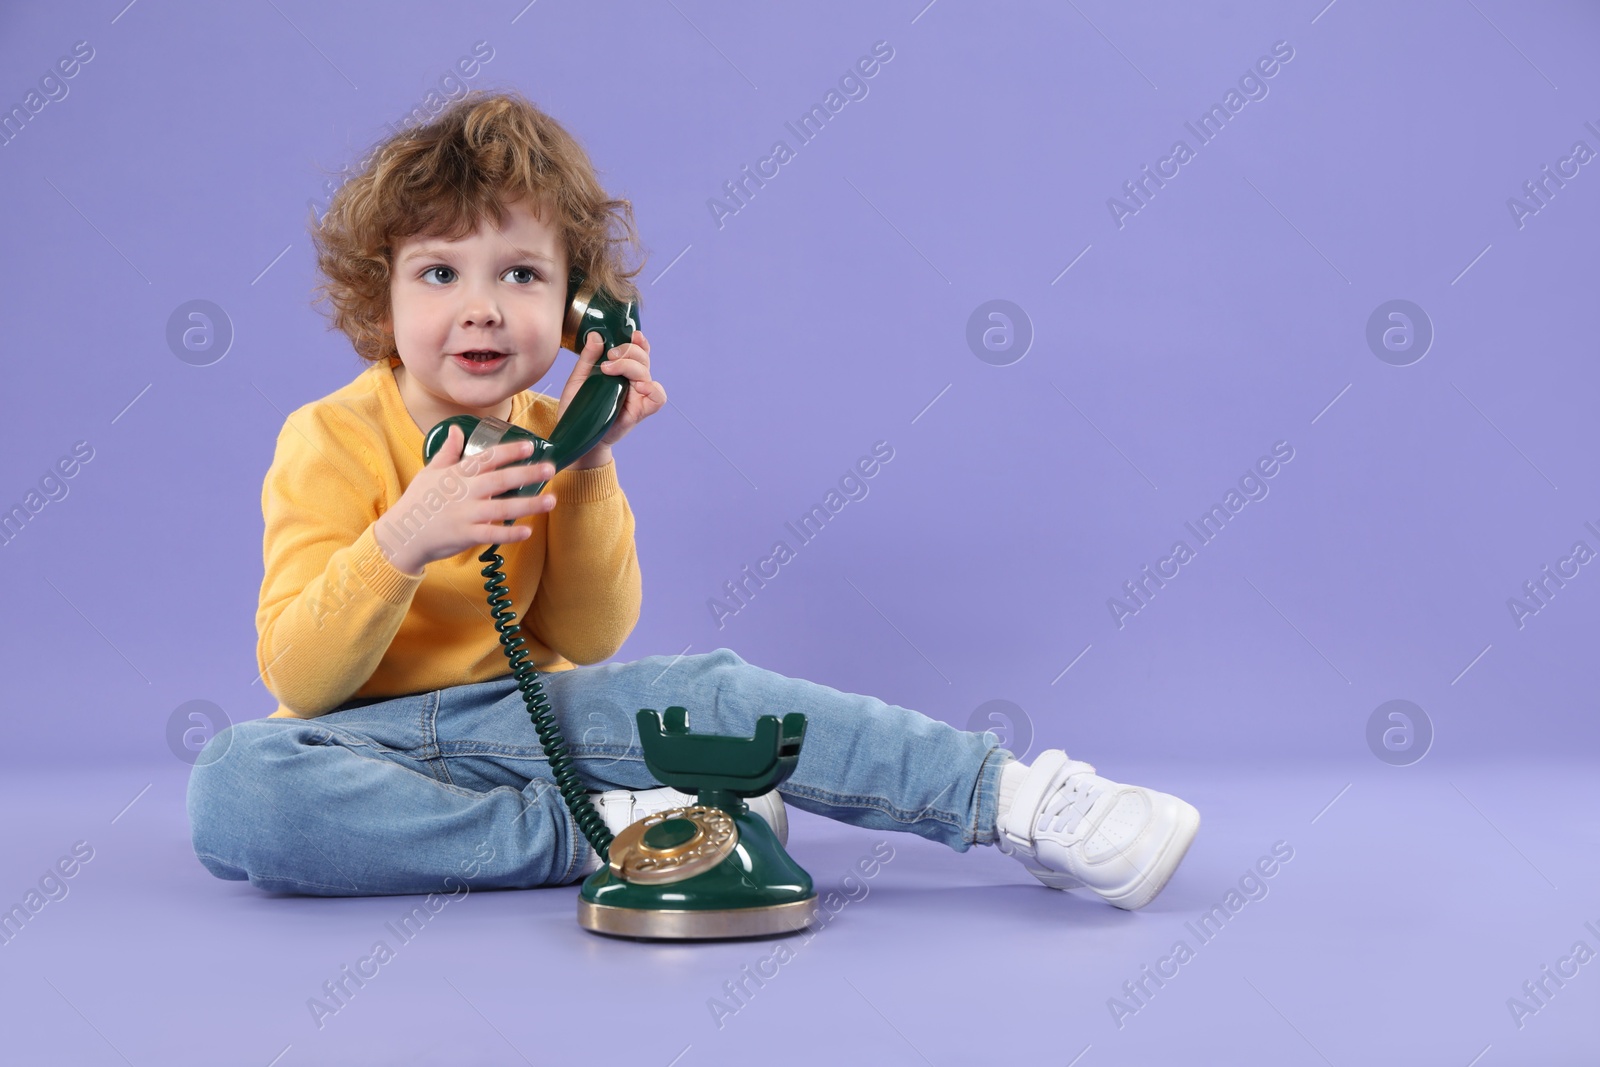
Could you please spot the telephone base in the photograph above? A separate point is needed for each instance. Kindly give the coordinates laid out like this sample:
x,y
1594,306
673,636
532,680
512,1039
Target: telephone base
x,y
670,924
697,871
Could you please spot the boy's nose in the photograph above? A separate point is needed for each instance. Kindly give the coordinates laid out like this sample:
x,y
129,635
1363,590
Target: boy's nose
x,y
480,311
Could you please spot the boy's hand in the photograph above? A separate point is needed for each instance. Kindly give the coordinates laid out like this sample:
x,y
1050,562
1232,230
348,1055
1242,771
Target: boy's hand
x,y
414,533
644,398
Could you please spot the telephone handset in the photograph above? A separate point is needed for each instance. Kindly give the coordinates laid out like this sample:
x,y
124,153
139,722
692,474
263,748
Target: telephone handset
x,y
593,409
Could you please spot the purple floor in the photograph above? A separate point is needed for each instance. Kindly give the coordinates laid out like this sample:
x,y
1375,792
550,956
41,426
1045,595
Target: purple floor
x,y
1398,932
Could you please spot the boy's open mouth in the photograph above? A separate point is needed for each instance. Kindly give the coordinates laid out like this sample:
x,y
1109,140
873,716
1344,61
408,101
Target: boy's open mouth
x,y
481,359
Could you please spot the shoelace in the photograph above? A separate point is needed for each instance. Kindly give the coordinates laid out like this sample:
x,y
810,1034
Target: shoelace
x,y
1068,805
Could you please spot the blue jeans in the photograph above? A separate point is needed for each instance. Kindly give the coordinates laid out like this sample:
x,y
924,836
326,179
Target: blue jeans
x,y
397,795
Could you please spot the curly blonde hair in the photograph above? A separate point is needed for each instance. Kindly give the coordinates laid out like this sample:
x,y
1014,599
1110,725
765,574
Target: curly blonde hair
x,y
442,179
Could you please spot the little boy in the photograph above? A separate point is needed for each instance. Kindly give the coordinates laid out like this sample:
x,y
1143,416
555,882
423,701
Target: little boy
x,y
401,753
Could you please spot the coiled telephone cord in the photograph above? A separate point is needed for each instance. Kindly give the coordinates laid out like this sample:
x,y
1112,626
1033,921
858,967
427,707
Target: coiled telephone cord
x,y
544,721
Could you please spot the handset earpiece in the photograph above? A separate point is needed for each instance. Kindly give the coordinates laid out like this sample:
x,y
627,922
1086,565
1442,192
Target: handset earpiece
x,y
599,399
591,310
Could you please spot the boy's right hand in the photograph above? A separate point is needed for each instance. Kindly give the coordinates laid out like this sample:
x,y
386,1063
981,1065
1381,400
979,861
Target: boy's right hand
x,y
417,531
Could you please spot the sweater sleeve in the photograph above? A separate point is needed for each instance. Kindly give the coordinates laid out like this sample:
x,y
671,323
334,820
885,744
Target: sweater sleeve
x,y
331,602
589,592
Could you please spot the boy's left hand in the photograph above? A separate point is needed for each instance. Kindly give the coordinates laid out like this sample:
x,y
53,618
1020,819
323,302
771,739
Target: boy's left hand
x,y
643,398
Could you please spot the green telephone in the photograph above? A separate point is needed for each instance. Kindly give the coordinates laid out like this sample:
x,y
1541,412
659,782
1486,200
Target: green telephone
x,y
712,869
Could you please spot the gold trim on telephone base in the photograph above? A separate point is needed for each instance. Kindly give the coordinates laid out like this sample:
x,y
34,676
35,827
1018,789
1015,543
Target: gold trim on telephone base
x,y
686,924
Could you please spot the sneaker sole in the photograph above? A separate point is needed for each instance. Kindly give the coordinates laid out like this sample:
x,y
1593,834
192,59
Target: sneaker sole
x,y
772,810
1155,879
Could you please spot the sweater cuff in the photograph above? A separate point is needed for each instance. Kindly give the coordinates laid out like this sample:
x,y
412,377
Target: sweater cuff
x,y
388,582
586,486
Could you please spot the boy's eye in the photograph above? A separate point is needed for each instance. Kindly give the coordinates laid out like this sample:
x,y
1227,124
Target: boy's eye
x,y
529,271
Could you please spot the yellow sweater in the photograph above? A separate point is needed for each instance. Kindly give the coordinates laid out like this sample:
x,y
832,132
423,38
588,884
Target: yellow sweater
x,y
338,621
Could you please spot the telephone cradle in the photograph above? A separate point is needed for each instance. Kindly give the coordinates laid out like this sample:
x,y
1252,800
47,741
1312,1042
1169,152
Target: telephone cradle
x,y
712,869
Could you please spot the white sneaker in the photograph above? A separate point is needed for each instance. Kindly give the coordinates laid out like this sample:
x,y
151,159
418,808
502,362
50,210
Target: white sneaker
x,y
621,808
1074,829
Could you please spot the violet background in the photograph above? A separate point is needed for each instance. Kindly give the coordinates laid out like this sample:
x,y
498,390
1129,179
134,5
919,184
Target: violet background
x,y
831,312
807,328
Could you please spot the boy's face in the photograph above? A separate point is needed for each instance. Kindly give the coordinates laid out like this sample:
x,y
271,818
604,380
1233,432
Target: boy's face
x,y
495,290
